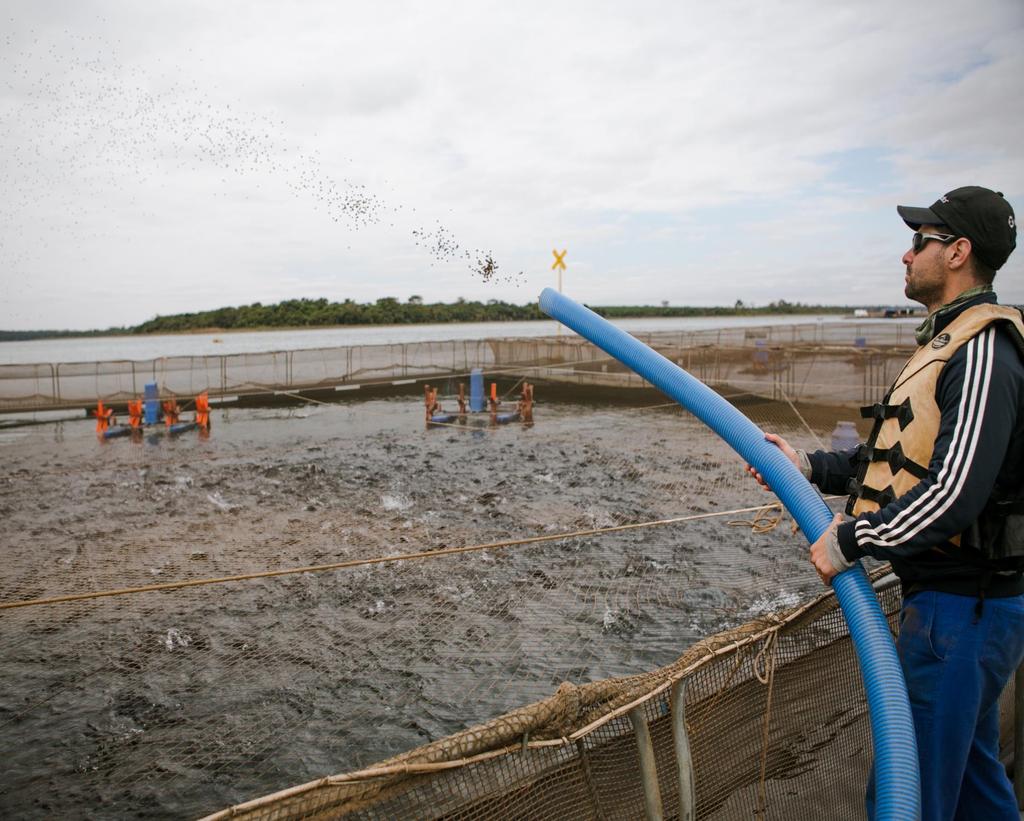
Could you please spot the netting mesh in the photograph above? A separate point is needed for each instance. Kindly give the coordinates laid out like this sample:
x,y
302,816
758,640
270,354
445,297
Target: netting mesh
x,y
429,581
762,738
806,361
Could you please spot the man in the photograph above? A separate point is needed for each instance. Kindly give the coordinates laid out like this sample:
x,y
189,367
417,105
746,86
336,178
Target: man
x,y
938,491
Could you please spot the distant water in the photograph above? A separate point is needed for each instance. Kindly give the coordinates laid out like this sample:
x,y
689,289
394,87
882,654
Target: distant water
x,y
105,348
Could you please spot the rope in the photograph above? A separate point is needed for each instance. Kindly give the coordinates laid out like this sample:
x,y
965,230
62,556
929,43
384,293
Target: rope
x,y
768,679
508,393
463,426
803,421
299,396
322,568
408,768
711,655
766,519
676,404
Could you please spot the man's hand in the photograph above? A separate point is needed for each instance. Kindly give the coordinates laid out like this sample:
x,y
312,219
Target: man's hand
x,y
782,445
819,552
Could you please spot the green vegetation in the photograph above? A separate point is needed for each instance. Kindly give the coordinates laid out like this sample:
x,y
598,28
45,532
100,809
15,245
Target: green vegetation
x,y
309,313
19,336
297,313
780,306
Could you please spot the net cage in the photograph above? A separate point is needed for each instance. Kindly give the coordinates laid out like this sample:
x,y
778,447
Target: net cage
x,y
800,360
334,611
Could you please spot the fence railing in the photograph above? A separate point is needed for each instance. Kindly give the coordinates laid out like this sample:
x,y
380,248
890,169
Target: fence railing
x,y
47,386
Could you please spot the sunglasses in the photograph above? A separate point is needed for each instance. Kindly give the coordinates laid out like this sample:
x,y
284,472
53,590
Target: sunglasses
x,y
920,239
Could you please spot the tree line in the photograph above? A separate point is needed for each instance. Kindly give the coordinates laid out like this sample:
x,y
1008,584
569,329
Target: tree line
x,y
298,313
309,313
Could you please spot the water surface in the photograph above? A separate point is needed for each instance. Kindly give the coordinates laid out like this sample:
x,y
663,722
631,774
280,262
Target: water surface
x,y
147,347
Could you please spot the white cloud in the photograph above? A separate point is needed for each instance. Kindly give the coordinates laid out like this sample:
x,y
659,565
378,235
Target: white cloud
x,y
197,156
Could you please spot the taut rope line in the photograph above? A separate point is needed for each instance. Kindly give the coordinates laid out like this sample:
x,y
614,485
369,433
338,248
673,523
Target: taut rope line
x,y
321,568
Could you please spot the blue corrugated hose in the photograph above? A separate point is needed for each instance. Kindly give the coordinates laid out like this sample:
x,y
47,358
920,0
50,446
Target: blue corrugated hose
x,y
897,784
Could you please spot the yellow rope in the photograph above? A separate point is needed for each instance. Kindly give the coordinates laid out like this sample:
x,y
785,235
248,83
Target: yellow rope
x,y
426,554
766,519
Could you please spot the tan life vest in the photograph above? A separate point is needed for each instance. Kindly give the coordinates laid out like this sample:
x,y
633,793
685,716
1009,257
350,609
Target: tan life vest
x,y
896,455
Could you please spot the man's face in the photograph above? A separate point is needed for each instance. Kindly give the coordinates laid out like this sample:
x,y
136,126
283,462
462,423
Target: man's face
x,y
926,271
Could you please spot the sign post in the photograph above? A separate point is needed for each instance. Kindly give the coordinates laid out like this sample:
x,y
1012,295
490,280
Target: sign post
x,y
559,265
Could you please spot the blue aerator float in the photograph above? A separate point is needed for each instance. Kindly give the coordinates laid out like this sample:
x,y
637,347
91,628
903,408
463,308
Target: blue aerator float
x,y
436,415
897,780
144,416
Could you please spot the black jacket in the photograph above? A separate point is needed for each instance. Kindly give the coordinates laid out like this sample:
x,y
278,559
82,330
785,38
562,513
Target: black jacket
x,y
967,464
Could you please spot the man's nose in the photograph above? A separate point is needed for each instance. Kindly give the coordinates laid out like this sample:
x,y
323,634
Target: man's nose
x,y
908,257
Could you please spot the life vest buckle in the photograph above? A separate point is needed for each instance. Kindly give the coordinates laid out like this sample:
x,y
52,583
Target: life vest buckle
x,y
903,412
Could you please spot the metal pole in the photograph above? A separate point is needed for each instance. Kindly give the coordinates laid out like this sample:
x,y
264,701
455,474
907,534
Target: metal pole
x,y
684,759
558,325
648,768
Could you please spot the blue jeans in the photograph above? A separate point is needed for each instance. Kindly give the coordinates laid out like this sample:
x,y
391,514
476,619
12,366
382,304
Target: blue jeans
x,y
956,665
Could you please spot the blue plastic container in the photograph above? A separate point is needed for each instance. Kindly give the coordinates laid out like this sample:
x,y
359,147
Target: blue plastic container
x,y
476,390
151,405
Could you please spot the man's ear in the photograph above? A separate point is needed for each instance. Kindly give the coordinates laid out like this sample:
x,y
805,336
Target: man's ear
x,y
957,252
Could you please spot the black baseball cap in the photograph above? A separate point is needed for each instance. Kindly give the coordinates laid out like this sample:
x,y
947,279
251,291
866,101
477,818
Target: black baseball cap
x,y
981,215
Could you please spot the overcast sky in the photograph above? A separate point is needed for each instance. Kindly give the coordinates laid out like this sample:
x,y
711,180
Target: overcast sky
x,y
165,157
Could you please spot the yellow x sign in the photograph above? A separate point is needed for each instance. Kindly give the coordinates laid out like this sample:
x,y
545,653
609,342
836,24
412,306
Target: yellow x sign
x,y
559,263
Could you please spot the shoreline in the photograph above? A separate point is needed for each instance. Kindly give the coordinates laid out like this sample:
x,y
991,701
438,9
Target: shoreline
x,y
843,312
